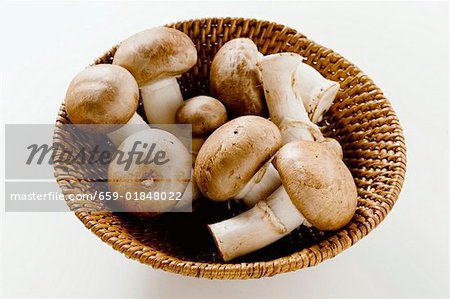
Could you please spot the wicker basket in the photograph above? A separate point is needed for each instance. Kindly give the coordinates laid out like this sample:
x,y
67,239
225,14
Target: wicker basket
x,y
361,119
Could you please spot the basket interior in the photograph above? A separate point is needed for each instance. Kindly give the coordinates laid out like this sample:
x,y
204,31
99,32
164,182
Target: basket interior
x,y
361,119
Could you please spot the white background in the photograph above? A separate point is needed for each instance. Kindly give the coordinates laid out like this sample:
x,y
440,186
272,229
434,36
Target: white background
x,y
402,46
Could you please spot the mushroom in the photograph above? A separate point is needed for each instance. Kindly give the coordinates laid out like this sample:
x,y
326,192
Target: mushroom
x,y
205,114
105,94
286,109
284,79
319,191
230,161
156,57
316,92
235,80
162,173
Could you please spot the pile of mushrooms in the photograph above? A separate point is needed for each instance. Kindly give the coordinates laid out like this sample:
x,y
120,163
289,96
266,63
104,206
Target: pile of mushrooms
x,y
254,139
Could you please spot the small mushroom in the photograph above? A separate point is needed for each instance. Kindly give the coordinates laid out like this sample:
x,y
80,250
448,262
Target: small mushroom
x,y
232,158
235,79
164,174
319,191
205,114
156,57
316,92
105,94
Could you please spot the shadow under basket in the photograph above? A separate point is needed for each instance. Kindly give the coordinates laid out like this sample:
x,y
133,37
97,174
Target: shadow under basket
x,y
361,119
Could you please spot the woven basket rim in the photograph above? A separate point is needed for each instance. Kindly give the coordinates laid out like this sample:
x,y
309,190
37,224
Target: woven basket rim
x,y
306,257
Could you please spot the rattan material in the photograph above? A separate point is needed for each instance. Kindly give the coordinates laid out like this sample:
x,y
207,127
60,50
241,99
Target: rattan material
x,y
362,119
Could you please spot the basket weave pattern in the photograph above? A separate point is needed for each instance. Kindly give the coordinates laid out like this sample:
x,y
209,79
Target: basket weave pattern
x,y
361,119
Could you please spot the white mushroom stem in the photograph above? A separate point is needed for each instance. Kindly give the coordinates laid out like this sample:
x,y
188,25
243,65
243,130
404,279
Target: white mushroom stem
x,y
161,100
261,185
135,124
268,221
316,92
286,108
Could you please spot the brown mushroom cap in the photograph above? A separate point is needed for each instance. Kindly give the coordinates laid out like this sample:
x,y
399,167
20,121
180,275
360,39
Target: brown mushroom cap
x,y
102,94
232,155
170,177
204,113
235,79
318,183
334,146
156,53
